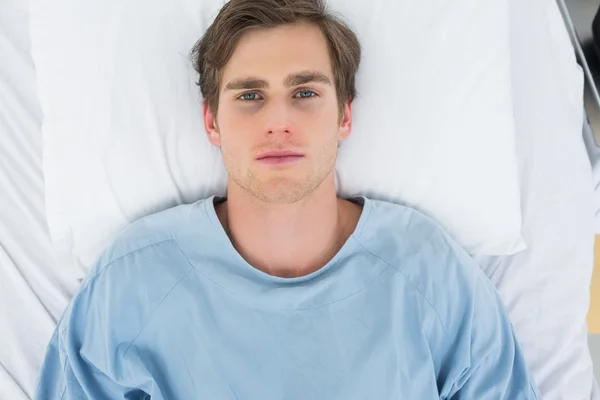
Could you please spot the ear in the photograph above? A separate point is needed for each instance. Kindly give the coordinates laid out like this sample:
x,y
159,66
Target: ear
x,y
346,120
210,125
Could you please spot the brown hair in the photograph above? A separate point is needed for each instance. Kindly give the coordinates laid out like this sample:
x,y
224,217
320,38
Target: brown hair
x,y
212,52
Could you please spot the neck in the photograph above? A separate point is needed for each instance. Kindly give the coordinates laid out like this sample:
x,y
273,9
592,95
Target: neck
x,y
288,240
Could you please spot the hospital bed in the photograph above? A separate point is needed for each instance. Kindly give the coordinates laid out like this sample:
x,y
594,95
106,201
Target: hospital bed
x,y
557,199
580,31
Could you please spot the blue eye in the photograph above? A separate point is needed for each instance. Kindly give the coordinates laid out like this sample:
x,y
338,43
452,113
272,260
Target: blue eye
x,y
305,94
250,96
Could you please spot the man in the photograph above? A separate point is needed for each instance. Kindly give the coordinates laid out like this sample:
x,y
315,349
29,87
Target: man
x,y
281,290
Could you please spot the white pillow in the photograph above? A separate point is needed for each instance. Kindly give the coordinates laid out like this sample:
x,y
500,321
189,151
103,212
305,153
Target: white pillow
x,y
123,129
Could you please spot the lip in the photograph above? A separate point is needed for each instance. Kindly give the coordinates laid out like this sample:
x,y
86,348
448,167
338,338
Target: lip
x,y
279,157
279,154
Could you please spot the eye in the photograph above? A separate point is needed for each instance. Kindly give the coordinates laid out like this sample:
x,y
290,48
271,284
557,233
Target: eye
x,y
305,94
250,96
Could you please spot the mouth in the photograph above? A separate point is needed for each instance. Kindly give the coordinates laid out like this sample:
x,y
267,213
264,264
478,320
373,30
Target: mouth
x,y
280,157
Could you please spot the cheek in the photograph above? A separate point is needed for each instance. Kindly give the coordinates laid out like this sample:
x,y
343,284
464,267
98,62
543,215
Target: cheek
x,y
233,155
235,138
316,108
327,112
322,118
238,121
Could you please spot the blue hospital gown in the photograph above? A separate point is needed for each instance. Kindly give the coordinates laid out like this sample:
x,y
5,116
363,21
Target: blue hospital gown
x,y
172,311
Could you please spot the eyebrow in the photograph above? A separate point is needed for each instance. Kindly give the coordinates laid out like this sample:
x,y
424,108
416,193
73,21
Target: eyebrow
x,y
301,78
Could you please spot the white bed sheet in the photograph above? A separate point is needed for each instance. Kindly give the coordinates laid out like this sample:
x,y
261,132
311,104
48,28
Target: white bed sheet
x,y
34,290
552,276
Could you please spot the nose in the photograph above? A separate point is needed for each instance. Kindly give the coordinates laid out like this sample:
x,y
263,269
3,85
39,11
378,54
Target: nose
x,y
278,118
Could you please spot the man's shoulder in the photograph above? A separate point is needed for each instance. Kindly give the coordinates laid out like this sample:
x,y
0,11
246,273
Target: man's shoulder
x,y
150,231
411,229
144,262
421,253
146,255
400,233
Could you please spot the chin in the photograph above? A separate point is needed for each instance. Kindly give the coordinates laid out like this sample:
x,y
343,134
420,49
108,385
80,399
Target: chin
x,y
288,192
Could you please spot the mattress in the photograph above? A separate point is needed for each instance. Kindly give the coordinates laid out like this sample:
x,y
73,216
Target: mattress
x,y
34,290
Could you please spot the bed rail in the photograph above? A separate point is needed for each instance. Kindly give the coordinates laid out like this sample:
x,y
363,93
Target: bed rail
x,y
580,53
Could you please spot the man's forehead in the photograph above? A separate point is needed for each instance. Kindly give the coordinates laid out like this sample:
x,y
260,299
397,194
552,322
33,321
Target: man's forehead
x,y
277,54
301,31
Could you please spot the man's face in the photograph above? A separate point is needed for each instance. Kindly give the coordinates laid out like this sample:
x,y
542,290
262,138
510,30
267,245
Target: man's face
x,y
278,94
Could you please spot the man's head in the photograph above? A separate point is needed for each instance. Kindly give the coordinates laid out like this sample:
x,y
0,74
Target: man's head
x,y
277,75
